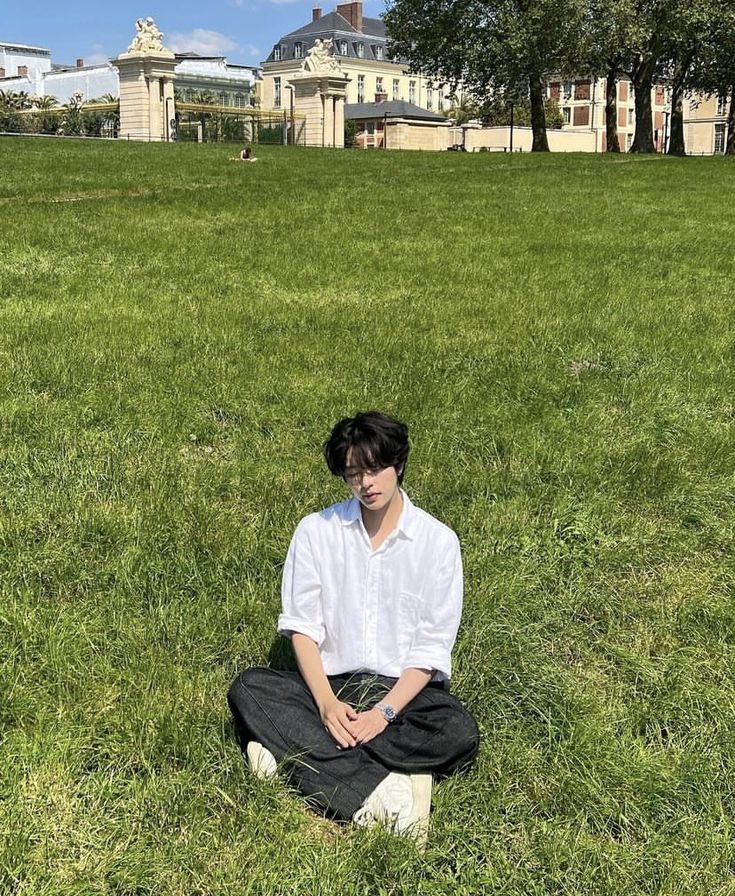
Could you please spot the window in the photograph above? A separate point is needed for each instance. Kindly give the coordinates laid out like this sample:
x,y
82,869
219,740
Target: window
x,y
361,88
223,99
342,45
566,114
440,101
360,48
238,101
629,141
379,84
298,50
720,137
568,90
412,92
396,88
631,113
378,52
429,97
276,92
277,53
721,104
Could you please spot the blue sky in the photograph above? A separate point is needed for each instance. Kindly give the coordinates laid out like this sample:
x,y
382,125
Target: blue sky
x,y
242,30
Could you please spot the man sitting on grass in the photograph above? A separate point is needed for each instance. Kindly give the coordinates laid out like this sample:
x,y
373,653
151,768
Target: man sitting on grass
x,y
371,599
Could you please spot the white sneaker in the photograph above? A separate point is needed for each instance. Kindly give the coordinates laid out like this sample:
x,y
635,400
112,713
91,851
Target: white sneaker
x,y
261,761
400,802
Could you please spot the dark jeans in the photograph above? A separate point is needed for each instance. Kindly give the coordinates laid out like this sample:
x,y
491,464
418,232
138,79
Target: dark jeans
x,y
434,733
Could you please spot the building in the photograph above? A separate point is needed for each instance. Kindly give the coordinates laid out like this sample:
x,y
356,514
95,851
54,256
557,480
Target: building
x,y
582,104
705,124
359,43
23,64
396,124
30,70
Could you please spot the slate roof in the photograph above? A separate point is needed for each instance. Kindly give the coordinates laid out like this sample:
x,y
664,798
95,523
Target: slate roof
x,y
390,109
335,26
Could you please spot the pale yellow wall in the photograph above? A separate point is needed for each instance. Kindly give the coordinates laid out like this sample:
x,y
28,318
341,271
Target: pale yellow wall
x,y
352,69
700,120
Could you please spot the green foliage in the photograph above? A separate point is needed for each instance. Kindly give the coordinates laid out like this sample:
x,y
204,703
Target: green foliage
x,y
176,338
508,47
496,111
350,132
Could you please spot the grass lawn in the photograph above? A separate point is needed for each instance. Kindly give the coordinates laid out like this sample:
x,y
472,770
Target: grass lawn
x,y
178,334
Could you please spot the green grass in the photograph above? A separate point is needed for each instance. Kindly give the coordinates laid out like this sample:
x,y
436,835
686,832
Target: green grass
x,y
177,335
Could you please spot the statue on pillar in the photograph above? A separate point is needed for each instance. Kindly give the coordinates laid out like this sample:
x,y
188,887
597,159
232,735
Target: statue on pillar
x,y
148,39
320,59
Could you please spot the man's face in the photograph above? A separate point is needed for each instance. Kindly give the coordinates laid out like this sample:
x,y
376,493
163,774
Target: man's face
x,y
374,487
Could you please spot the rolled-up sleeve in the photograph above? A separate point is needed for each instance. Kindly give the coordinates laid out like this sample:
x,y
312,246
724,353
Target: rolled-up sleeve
x,y
301,604
433,640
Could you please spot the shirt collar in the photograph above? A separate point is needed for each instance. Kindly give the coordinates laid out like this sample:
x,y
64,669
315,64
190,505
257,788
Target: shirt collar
x,y
406,522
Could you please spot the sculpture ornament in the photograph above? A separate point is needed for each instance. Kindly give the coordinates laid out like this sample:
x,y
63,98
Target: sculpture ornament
x,y
148,39
320,59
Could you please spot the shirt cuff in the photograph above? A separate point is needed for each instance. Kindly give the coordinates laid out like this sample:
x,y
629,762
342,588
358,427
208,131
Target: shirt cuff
x,y
417,659
291,625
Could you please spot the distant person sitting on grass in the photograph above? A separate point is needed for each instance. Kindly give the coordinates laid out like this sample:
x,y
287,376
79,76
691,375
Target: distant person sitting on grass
x,y
247,156
371,599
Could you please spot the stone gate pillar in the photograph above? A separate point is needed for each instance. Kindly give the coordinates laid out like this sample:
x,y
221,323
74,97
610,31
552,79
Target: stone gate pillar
x,y
319,92
147,75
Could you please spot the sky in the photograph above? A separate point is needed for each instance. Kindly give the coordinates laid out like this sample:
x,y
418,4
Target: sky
x,y
95,30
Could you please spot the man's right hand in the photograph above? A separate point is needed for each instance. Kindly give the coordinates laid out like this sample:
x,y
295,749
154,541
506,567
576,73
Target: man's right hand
x,y
338,718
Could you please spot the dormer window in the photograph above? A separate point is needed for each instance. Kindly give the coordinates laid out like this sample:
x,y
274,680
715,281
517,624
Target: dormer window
x,y
298,50
277,53
360,48
379,52
342,45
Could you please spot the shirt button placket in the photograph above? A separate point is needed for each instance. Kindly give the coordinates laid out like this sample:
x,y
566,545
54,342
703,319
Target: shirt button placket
x,y
371,610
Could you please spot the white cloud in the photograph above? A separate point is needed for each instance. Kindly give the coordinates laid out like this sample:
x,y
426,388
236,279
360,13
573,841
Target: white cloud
x,y
96,59
251,51
200,40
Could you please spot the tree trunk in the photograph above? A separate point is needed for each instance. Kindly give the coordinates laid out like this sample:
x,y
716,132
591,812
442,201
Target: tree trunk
x,y
730,146
538,115
611,109
642,77
676,138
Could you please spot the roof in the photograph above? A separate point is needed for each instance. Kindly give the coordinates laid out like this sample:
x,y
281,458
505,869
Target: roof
x,y
391,109
335,26
11,46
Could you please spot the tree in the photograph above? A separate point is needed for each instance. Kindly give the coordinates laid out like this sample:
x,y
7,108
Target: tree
x,y
462,109
490,45
44,103
607,50
713,71
683,45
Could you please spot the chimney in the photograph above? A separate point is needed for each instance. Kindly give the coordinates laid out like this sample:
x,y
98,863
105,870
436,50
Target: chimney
x,y
22,71
353,13
381,97
316,14
80,63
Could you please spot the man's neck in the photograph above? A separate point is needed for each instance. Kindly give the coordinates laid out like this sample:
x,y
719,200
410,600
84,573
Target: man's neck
x,y
380,523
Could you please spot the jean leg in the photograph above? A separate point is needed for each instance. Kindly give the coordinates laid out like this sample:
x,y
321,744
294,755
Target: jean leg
x,y
276,709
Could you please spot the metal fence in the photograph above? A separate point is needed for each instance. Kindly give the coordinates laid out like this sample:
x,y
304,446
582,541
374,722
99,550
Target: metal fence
x,y
209,123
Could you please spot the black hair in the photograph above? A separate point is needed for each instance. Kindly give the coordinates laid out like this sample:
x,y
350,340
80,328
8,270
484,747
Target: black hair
x,y
375,439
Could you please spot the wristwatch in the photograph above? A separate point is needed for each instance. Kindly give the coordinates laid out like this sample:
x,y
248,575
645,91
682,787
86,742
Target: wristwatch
x,y
388,713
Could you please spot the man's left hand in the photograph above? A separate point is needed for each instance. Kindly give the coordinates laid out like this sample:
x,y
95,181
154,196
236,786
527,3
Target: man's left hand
x,y
368,725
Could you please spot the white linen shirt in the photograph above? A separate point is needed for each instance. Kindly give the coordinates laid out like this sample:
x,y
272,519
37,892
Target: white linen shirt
x,y
381,610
